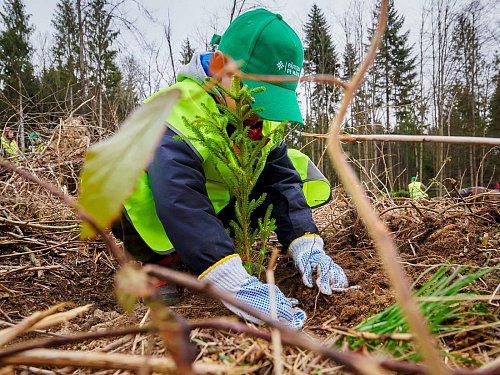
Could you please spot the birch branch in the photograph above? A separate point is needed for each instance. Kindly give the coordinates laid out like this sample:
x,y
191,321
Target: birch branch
x,y
62,358
409,138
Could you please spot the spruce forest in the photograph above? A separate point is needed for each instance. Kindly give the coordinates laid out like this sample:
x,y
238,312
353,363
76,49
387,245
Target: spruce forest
x,y
384,104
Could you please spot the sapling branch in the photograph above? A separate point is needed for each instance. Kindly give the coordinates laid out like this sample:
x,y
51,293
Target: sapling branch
x,y
239,161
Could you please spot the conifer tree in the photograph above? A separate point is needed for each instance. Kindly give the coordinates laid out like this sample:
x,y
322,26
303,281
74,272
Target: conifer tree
x,y
17,78
464,96
349,66
320,57
350,62
58,82
393,76
66,47
104,76
187,52
493,129
127,97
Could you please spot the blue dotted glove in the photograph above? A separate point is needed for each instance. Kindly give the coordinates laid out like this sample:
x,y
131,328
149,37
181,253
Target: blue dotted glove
x,y
309,256
230,276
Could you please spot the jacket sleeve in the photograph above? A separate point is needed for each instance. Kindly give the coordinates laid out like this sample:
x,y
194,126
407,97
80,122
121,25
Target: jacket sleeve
x,y
283,187
183,207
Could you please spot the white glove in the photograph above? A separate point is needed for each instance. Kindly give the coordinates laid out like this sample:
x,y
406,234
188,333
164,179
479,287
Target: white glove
x,y
230,276
309,257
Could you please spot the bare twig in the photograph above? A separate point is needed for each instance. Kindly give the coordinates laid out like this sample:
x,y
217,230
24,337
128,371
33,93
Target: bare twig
x,y
40,357
61,317
11,333
378,231
38,226
276,336
299,339
360,364
64,340
368,335
121,256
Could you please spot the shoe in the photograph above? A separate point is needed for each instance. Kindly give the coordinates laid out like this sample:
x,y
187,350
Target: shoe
x,y
168,292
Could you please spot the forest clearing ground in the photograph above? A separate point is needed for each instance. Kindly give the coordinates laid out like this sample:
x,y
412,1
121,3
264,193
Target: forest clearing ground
x,y
40,267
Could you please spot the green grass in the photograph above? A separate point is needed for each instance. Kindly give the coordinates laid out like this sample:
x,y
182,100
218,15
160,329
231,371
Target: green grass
x,y
443,317
400,193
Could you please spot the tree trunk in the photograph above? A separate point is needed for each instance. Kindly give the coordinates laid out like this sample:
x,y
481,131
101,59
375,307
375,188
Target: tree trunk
x,y
388,155
21,116
81,57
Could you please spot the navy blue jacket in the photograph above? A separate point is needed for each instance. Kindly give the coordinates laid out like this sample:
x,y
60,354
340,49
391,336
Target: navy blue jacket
x,y
197,233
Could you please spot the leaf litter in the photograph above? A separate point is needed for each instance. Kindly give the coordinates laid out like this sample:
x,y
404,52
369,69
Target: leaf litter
x,y
43,263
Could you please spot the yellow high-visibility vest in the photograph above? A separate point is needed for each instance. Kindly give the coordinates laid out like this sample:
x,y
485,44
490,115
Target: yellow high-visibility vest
x,y
415,190
140,205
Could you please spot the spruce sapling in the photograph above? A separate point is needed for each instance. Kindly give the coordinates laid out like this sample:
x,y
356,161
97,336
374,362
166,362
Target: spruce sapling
x,y
239,163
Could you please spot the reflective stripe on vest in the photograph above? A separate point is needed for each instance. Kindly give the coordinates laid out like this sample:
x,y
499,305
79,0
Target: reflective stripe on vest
x,y
316,187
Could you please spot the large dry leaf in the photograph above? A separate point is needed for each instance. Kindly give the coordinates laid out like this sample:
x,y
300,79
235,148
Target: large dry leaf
x,y
112,167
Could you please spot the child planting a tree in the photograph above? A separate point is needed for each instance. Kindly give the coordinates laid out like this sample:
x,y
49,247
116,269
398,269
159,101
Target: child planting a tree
x,y
222,163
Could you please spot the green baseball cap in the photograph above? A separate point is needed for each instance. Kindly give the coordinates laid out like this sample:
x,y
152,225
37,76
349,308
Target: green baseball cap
x,y
266,45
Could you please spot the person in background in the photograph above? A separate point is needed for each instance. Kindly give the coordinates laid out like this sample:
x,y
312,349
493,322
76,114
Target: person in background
x,y
10,149
174,218
417,189
36,142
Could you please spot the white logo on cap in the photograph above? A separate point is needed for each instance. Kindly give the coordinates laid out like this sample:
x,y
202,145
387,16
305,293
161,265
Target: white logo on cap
x,y
289,67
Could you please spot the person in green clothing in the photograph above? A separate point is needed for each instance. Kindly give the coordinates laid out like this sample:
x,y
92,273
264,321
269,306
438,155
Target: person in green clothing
x,y
9,145
417,189
37,143
178,214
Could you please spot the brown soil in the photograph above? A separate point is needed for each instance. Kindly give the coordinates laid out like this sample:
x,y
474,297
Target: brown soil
x,y
40,267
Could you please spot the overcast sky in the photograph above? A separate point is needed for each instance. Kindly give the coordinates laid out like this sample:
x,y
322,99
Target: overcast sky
x,y
201,16
199,19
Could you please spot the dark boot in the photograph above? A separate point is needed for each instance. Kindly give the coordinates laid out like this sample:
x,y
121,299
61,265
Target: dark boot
x,y
125,231
168,292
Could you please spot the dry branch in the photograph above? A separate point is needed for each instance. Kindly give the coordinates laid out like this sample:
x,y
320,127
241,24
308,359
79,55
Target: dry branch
x,y
353,362
26,325
37,225
47,357
359,364
409,138
121,256
378,231
64,340
61,317
31,356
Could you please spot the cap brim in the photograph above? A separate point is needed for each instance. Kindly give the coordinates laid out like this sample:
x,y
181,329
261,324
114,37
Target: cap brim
x,y
278,103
